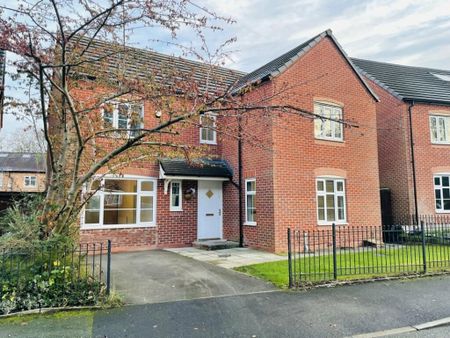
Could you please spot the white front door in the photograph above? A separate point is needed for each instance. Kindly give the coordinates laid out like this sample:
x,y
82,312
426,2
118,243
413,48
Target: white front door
x,y
209,210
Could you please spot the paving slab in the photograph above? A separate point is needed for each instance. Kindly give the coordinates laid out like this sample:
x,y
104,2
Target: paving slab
x,y
229,258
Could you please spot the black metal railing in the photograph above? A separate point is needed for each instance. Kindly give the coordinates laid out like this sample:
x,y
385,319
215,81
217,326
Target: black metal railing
x,y
57,263
348,252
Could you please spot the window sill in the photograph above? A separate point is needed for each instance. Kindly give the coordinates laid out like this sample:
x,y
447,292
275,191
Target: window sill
x,y
325,141
252,224
441,212
119,226
331,223
440,145
209,143
176,210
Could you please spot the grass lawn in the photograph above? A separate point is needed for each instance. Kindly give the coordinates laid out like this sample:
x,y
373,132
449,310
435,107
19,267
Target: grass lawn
x,y
365,263
61,324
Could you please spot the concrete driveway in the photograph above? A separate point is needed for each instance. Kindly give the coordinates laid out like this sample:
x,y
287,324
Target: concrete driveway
x,y
161,276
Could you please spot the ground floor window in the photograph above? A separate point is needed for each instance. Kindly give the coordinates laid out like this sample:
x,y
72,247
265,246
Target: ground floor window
x,y
331,200
250,206
442,192
121,202
30,181
175,196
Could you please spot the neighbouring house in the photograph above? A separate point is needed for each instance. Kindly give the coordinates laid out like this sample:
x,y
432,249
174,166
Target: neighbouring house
x,y
413,121
21,173
306,170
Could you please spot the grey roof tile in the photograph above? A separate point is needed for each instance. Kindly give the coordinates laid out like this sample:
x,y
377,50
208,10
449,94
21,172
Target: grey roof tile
x,y
113,58
281,63
408,82
22,162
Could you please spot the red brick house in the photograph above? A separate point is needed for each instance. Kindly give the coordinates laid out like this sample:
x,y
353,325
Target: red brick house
x,y
305,171
413,118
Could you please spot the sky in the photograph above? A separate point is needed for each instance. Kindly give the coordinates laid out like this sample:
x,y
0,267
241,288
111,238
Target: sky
x,y
410,32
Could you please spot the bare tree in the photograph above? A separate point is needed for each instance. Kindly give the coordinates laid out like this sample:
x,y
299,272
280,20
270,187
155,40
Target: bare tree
x,y
77,77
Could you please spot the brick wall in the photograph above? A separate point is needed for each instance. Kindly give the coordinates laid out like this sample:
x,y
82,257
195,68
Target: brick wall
x,y
395,153
173,228
298,158
430,158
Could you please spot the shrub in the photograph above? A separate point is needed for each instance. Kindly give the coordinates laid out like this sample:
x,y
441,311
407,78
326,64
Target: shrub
x,y
19,224
48,274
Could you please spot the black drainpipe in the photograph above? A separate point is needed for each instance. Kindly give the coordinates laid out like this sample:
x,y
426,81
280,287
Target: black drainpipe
x,y
241,215
413,163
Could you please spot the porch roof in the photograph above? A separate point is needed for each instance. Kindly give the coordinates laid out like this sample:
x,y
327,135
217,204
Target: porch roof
x,y
195,168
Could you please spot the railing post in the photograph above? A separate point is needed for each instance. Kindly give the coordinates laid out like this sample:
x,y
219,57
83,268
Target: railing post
x,y
108,269
335,275
424,249
289,257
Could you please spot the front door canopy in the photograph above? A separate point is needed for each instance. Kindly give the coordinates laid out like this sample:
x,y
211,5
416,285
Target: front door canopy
x,y
198,170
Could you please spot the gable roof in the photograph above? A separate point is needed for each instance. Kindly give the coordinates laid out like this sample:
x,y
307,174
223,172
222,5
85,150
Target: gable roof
x,y
408,83
140,63
281,63
22,162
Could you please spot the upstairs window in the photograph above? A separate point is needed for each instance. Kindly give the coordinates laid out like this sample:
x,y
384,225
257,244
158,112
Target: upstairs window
x,y
328,128
440,129
442,192
30,181
129,117
208,129
331,200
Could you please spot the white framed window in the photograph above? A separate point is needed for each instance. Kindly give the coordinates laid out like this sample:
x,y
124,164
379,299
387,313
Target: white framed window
x,y
29,181
442,192
440,129
123,202
120,115
175,196
208,132
331,207
328,128
250,199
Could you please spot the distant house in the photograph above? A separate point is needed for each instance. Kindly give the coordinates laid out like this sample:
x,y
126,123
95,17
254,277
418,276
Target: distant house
x,y
413,123
21,173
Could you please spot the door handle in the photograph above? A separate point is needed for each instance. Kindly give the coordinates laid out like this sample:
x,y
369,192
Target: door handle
x,y
209,214
220,212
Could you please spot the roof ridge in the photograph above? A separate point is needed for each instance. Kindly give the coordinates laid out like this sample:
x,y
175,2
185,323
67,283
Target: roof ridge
x,y
401,65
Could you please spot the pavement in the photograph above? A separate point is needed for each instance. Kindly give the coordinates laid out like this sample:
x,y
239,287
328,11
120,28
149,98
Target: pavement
x,y
176,296
228,258
323,312
160,276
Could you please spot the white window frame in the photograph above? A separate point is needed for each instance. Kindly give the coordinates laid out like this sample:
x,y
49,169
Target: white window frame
x,y
30,181
441,188
213,130
336,194
115,117
139,194
180,197
250,193
318,122
446,121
